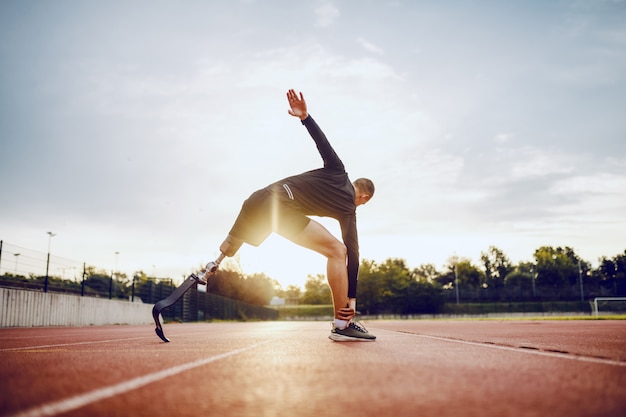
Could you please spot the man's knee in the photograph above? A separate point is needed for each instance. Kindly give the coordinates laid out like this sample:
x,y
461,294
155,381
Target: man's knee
x,y
338,250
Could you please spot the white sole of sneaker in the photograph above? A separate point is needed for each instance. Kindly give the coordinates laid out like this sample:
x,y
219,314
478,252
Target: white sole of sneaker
x,y
341,338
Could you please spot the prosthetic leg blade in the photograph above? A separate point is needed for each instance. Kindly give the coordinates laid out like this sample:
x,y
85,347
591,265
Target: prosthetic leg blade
x,y
159,332
166,302
191,280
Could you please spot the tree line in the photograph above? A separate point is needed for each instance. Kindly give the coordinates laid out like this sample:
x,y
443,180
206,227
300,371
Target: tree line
x,y
556,273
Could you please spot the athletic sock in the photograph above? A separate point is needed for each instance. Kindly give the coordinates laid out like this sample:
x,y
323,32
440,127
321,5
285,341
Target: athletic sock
x,y
341,324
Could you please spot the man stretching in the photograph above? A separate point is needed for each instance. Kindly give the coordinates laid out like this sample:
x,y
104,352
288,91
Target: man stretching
x,y
283,207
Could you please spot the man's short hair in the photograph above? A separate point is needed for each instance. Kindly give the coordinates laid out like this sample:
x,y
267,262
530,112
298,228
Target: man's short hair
x,y
365,185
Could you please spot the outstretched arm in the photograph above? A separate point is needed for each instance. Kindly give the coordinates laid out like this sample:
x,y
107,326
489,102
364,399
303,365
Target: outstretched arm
x,y
297,104
299,109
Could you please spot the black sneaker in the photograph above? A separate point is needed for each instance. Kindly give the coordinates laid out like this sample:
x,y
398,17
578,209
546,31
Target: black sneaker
x,y
352,333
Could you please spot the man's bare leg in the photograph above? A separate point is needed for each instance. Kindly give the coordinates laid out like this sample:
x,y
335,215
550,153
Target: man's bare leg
x,y
317,238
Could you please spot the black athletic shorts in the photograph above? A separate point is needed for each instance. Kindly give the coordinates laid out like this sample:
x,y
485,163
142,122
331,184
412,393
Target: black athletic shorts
x,y
268,210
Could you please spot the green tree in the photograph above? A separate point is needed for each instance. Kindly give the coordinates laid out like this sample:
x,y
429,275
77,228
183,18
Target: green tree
x,y
150,289
381,286
227,283
612,274
447,278
463,273
293,293
620,275
560,271
97,282
497,266
392,288
425,273
469,276
257,289
424,298
395,279
316,290
519,285
555,266
368,292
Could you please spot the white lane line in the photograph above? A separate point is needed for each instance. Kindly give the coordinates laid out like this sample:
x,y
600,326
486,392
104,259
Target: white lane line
x,y
528,350
93,342
71,344
63,406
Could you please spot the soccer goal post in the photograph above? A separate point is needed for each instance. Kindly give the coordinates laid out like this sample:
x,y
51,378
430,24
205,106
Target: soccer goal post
x,y
608,305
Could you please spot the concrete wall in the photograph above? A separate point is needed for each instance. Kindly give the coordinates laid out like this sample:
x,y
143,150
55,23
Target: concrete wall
x,y
19,308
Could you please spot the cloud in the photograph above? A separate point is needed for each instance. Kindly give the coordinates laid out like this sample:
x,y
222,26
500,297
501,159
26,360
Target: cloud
x,y
370,47
326,14
154,137
501,138
536,162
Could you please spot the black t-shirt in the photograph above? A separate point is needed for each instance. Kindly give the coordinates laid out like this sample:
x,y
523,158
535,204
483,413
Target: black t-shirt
x,y
327,192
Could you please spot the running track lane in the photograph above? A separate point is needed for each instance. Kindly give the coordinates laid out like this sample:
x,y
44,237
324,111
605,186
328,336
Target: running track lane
x,y
433,368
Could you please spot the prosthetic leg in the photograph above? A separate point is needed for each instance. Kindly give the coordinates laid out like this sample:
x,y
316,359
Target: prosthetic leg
x,y
228,248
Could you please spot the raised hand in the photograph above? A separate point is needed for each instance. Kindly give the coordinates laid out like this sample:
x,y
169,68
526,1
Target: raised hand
x,y
297,104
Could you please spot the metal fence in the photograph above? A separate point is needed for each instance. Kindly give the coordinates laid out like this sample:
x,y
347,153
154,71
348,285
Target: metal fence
x,y
537,307
19,261
202,306
26,269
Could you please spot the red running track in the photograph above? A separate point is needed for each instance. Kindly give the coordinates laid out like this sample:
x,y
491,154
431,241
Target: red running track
x,y
428,368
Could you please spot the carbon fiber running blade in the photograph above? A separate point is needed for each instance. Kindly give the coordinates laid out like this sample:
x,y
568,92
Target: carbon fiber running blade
x,y
160,333
170,300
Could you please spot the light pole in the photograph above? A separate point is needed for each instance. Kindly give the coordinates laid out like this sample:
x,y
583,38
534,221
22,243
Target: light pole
x,y
113,274
16,255
534,277
45,285
116,258
580,277
456,284
132,293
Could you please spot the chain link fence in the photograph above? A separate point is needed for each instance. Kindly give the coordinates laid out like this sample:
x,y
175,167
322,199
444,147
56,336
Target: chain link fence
x,y
22,268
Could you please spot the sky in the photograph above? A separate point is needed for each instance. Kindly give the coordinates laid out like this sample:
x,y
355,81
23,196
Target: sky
x,y
139,127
